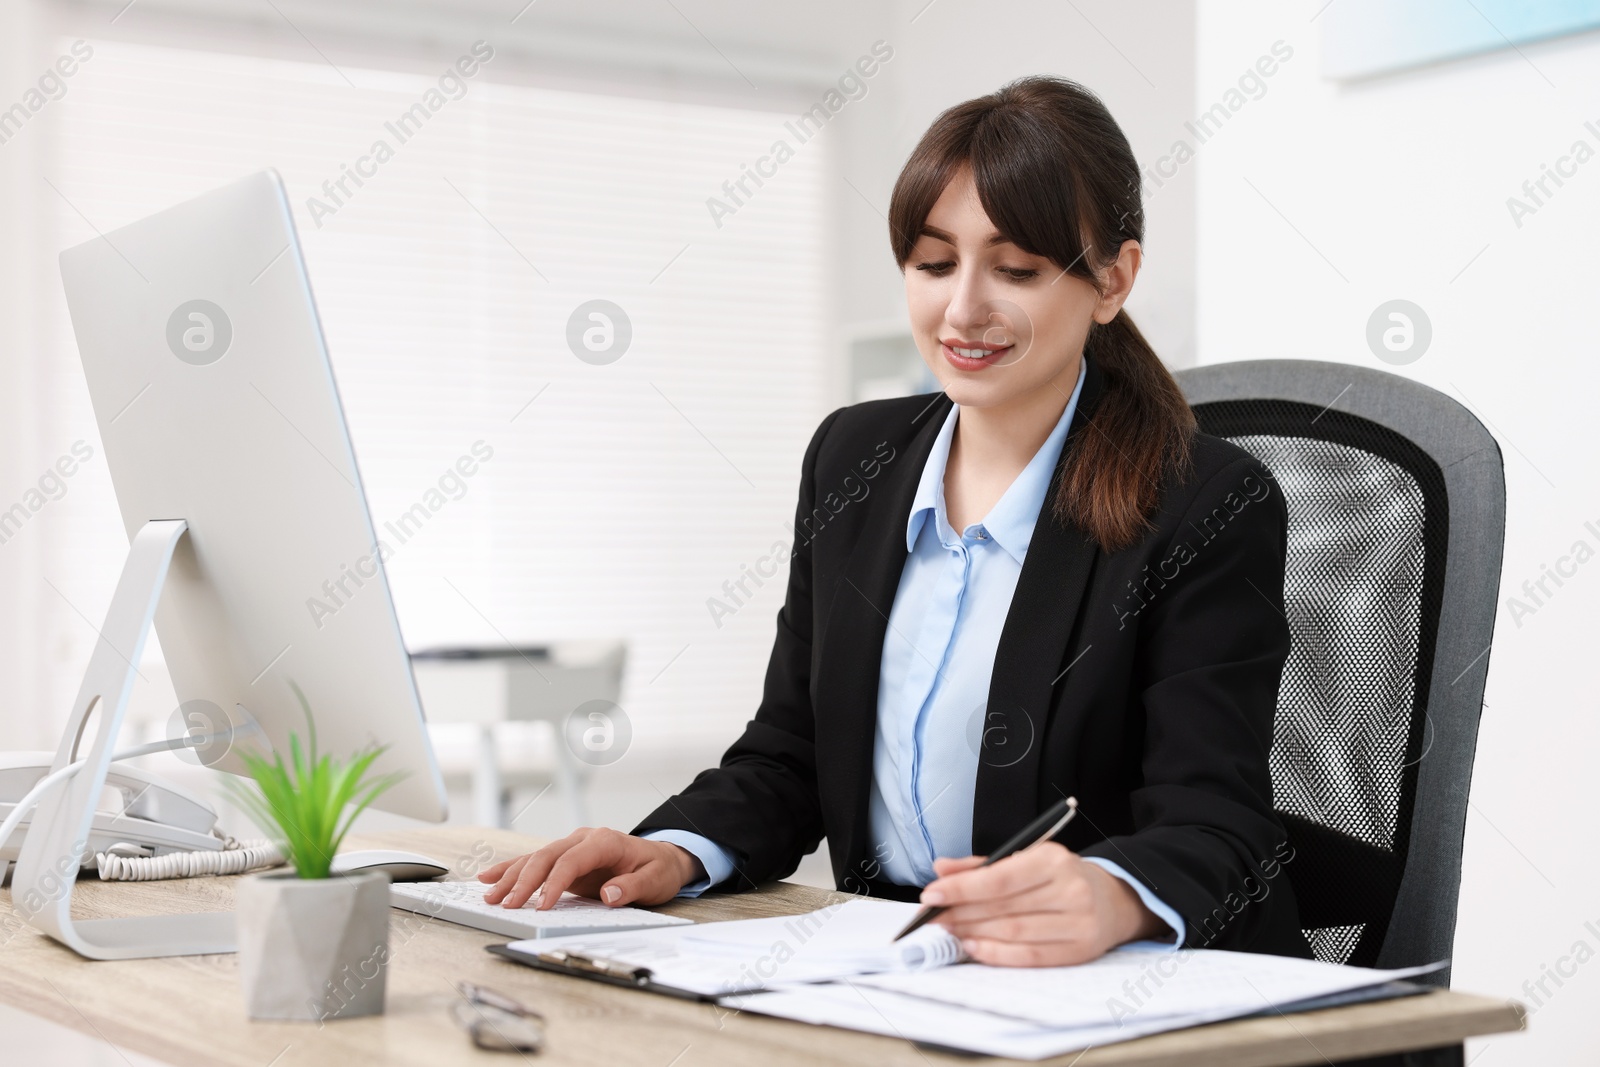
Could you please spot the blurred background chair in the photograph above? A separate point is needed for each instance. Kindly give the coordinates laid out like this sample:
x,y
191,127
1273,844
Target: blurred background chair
x,y
1396,501
517,719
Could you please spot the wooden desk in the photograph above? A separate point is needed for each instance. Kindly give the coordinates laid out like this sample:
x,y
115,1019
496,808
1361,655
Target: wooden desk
x,y
189,1011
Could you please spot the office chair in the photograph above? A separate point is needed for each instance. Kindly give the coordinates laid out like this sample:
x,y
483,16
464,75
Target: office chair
x,y
1396,500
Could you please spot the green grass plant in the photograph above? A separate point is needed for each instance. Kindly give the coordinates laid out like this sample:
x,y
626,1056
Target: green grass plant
x,y
308,804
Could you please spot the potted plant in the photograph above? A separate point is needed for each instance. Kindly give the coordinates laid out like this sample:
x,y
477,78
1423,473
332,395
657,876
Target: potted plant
x,y
311,946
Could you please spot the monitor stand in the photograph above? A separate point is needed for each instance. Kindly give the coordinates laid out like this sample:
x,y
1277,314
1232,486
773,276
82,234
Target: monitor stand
x,y
52,853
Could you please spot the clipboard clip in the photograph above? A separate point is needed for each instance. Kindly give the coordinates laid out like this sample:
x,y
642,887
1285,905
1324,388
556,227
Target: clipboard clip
x,y
591,965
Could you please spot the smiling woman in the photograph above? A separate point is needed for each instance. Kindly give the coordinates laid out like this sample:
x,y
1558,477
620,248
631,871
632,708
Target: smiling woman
x,y
954,654
1046,162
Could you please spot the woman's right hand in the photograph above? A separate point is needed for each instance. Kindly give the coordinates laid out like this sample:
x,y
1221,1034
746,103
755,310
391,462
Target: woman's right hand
x,y
601,863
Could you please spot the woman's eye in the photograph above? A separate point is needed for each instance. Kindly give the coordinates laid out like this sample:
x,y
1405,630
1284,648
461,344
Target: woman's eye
x,y
943,267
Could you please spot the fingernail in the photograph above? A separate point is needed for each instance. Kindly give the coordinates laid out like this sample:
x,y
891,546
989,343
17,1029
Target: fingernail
x,y
611,893
970,947
932,896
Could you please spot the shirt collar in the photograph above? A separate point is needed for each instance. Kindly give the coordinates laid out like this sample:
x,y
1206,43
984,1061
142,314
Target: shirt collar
x,y
1012,519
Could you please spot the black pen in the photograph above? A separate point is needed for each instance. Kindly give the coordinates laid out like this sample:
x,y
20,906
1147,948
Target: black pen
x,y
1043,828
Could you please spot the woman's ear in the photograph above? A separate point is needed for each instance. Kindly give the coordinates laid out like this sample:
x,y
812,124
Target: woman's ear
x,y
1118,279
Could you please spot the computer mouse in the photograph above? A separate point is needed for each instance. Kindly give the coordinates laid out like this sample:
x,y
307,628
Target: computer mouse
x,y
399,866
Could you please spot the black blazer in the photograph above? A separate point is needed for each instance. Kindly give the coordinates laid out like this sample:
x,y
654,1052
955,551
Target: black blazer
x,y
1142,681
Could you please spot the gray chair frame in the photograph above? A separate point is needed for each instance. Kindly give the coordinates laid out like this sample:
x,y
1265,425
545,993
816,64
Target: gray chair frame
x,y
1422,928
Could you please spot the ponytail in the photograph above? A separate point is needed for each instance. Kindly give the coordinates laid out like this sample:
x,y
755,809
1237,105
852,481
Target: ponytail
x,y
1139,435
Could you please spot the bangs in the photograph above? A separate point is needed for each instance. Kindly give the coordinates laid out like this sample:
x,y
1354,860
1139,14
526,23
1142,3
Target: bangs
x,y
1029,171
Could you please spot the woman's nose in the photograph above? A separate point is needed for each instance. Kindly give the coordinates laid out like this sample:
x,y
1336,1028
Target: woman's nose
x,y
970,305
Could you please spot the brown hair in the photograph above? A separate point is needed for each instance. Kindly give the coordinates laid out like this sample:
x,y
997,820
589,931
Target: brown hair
x,y
1057,178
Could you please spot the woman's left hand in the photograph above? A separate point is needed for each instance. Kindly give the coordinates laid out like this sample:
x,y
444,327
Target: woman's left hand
x,y
1042,907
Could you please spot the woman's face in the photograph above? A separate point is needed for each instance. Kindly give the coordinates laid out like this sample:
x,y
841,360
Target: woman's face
x,y
994,323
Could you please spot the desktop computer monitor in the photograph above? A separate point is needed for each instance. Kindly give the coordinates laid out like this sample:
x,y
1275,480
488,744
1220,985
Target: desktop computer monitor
x,y
217,405
222,428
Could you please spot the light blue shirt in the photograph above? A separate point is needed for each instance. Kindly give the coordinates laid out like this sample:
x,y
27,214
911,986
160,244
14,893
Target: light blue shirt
x,y
933,682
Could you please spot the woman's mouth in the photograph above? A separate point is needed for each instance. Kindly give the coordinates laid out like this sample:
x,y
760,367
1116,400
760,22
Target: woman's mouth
x,y
973,355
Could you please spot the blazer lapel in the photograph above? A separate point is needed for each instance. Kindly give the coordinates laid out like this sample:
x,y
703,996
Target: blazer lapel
x,y
846,698
1030,663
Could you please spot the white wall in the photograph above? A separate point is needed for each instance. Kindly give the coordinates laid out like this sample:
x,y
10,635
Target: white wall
x,y
1318,202
27,447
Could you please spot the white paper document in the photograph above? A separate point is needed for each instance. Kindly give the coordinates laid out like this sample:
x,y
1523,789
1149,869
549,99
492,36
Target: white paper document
x,y
849,1004
843,940
1134,983
840,966
858,934
1034,1013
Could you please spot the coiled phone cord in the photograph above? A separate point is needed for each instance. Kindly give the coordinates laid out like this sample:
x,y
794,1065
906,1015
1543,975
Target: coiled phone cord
x,y
240,857
235,857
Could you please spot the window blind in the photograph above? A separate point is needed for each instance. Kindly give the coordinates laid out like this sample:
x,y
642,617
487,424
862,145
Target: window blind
x,y
617,498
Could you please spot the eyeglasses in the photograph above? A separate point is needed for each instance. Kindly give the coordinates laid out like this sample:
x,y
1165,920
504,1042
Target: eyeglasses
x,y
496,1022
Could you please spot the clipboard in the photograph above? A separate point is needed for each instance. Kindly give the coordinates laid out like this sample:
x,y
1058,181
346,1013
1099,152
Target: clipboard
x,y
560,961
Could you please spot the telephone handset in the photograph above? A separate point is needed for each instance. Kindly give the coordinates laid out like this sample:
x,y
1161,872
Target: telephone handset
x,y
156,816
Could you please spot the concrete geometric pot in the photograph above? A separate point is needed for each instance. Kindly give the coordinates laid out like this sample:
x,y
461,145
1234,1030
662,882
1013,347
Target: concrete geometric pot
x,y
313,949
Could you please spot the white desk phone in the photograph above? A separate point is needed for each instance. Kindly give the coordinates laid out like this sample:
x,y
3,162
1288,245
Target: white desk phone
x,y
153,827
155,817
159,829
155,813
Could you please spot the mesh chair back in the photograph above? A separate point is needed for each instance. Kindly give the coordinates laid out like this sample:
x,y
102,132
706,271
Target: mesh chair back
x,y
1375,671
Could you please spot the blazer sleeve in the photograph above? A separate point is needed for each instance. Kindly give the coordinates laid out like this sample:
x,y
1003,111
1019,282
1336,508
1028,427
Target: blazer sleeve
x,y
1206,839
761,802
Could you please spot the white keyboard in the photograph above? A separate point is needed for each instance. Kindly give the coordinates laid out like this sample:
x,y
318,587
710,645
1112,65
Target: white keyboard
x,y
462,902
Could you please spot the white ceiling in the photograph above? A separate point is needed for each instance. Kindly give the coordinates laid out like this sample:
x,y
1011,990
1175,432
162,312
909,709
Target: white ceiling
x,y
758,44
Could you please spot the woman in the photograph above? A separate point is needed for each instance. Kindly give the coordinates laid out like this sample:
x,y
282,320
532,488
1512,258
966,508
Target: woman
x,y
1041,582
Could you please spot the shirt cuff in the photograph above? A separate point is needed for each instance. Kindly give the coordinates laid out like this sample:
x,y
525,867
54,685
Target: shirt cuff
x,y
717,860
1162,910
